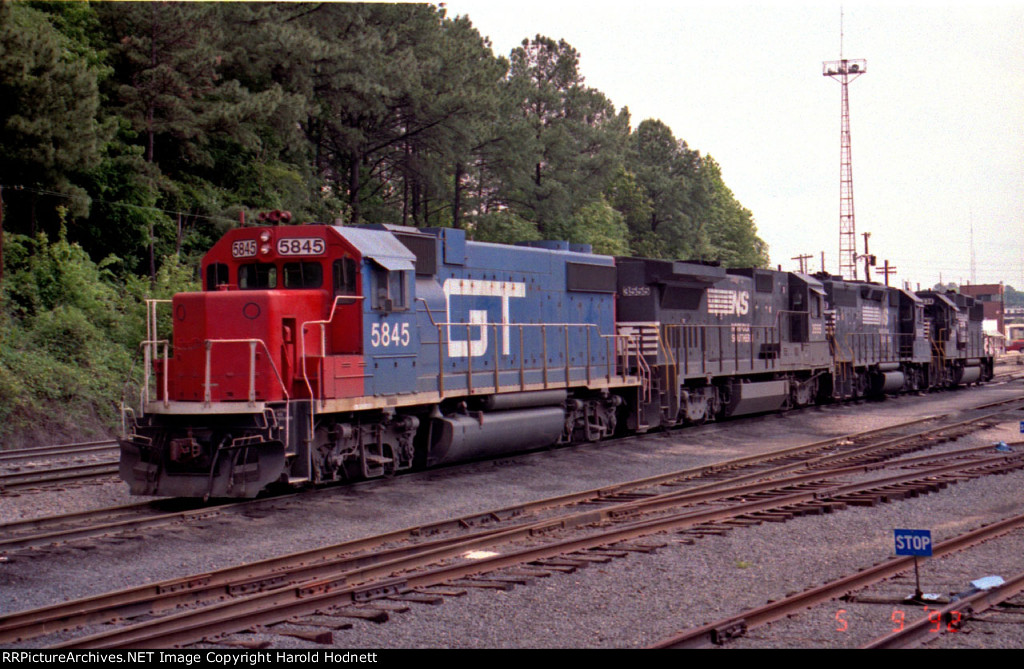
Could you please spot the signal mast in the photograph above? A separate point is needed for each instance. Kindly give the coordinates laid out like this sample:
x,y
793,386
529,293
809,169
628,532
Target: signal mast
x,y
844,71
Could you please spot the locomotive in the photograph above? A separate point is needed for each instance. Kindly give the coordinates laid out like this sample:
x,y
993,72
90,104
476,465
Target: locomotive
x,y
318,353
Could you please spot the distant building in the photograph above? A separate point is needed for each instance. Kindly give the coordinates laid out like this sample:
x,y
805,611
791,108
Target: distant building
x,y
990,295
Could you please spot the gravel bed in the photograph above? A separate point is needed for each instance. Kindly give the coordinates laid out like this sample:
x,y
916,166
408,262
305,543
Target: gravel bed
x,y
628,602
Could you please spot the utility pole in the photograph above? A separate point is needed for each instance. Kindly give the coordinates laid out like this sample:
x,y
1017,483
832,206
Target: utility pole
x,y
867,257
802,259
887,270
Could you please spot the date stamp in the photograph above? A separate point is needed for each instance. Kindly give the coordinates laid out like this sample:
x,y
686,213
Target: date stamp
x,y
898,618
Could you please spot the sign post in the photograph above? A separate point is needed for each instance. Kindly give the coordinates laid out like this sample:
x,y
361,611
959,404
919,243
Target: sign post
x,y
914,542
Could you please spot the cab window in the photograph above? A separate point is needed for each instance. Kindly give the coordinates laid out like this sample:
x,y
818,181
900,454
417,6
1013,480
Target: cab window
x,y
390,291
216,275
257,276
303,275
345,277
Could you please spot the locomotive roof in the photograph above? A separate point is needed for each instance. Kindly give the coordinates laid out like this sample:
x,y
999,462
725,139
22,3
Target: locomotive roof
x,y
812,283
380,246
942,298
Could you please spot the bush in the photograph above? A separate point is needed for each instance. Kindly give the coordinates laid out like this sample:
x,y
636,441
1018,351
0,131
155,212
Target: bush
x,y
69,330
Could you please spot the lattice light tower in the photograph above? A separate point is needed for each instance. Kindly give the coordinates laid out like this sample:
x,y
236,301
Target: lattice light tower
x,y
844,71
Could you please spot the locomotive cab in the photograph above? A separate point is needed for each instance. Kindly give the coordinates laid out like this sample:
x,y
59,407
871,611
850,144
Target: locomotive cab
x,y
286,313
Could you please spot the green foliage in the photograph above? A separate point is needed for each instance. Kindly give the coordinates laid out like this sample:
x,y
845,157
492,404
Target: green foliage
x,y
49,102
134,134
601,226
503,227
69,328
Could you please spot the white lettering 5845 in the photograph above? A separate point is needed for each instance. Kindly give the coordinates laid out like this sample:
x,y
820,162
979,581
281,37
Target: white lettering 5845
x,y
383,335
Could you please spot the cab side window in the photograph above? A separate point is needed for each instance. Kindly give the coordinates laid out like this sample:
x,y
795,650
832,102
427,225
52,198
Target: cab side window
x,y
216,275
345,276
390,290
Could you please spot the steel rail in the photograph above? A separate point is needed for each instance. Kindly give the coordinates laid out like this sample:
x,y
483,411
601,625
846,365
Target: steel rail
x,y
694,495
47,451
698,494
720,631
310,563
360,584
56,476
950,617
50,537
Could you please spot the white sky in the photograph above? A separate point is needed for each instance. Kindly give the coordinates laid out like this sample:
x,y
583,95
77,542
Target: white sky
x,y
937,122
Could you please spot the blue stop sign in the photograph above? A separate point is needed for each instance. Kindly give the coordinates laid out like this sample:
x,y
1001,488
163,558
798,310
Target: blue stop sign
x,y
913,542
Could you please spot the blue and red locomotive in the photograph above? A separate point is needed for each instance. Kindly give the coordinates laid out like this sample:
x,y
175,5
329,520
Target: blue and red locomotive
x,y
319,353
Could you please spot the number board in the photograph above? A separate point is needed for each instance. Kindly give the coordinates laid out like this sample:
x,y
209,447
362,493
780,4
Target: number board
x,y
913,542
243,248
301,246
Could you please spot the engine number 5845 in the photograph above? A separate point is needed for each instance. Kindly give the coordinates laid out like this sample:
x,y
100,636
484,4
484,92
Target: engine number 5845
x,y
397,334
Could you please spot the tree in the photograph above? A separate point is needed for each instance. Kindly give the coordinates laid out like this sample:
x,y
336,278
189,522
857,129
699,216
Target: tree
x,y
576,139
666,171
731,233
49,103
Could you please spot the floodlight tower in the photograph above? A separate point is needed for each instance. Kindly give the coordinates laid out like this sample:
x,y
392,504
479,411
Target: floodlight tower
x,y
844,71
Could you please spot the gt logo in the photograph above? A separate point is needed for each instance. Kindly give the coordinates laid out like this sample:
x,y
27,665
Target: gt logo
x,y
476,347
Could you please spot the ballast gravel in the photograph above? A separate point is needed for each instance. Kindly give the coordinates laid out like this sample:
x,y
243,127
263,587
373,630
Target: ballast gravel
x,y
629,602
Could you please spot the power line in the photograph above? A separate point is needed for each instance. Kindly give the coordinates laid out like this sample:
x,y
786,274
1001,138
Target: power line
x,y
172,212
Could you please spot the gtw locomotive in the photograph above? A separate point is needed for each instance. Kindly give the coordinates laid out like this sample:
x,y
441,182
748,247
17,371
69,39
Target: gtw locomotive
x,y
319,353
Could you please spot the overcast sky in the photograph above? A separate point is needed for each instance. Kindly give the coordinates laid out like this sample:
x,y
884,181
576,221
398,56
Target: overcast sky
x,y
937,122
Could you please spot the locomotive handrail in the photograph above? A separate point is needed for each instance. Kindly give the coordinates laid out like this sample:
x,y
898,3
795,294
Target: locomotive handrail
x,y
323,350
886,346
151,321
426,307
701,329
207,383
149,348
545,369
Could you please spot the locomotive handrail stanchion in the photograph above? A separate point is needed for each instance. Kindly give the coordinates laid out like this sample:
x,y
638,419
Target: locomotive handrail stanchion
x,y
721,352
469,362
566,354
669,355
522,361
167,371
588,357
207,391
147,372
704,350
544,349
440,358
497,361
252,373
735,349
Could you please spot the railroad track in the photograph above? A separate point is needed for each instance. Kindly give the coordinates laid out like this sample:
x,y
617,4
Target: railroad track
x,y
55,530
41,468
40,479
343,577
61,450
941,618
